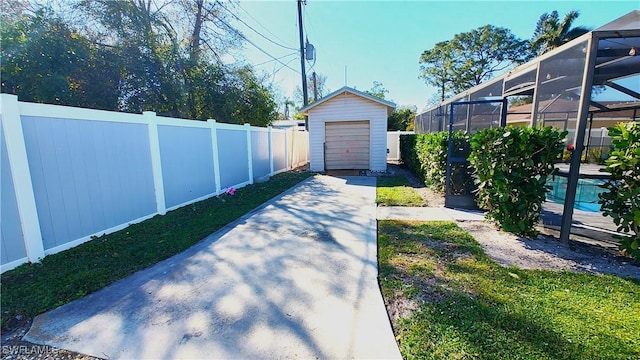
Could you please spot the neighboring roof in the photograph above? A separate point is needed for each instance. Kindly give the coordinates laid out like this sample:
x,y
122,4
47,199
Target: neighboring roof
x,y
564,106
345,90
287,123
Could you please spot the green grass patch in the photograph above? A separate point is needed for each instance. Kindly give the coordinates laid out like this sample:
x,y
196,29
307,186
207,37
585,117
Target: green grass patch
x,y
31,289
469,307
396,191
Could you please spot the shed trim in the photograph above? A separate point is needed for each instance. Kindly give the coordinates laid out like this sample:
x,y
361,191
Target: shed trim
x,y
345,89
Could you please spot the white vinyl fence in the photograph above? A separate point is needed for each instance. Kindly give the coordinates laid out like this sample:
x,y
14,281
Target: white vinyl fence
x,y
68,174
393,144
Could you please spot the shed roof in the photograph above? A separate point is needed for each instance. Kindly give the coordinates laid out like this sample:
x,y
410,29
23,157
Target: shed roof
x,y
344,90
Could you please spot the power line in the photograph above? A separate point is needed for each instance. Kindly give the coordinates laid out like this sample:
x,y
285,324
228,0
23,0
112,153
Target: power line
x,y
264,27
308,21
302,65
256,46
281,57
254,30
280,68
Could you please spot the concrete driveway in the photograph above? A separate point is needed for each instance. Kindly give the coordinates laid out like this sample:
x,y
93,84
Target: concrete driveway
x,y
294,279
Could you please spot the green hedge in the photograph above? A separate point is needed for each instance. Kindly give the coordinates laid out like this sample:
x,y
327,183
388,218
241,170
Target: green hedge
x,y
621,201
408,154
432,153
426,155
512,165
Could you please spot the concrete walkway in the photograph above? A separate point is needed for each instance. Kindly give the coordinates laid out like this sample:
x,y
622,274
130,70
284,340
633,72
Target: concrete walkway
x,y
427,214
294,279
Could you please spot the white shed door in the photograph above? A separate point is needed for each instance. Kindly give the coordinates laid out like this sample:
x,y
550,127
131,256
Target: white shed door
x,y
347,145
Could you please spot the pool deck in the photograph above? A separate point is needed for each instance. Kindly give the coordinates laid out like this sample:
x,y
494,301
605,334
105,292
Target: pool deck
x,y
585,223
586,170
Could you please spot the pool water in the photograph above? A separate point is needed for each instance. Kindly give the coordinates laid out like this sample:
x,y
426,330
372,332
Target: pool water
x,y
586,194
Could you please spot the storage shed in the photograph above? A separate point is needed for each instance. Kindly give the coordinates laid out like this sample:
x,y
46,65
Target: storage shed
x,y
348,130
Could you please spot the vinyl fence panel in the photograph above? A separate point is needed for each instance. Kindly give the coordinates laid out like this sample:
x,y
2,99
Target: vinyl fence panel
x,y
68,174
300,144
393,144
260,153
187,164
234,157
87,175
279,151
13,248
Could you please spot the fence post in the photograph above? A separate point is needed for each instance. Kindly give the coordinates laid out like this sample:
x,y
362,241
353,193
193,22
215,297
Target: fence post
x,y
307,147
21,175
216,160
293,149
286,151
156,163
249,154
270,150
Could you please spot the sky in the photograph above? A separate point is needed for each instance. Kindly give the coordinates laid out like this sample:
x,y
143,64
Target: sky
x,y
382,40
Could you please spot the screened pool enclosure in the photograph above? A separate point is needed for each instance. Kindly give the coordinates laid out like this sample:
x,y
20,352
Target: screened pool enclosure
x,y
584,86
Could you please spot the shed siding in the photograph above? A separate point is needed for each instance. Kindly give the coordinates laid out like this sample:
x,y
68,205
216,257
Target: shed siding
x,y
346,107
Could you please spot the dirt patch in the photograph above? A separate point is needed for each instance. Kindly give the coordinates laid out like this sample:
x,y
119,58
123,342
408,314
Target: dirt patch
x,y
548,253
400,307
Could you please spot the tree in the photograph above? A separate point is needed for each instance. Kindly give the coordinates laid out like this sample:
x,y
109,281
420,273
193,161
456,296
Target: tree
x,y
437,67
551,32
471,58
247,100
132,55
287,105
320,87
153,72
44,60
402,118
171,53
378,90
483,52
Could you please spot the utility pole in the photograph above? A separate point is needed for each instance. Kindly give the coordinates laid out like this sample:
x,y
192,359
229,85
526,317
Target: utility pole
x,y
315,86
304,72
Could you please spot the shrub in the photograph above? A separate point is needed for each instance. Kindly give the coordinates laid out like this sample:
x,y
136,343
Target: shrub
x,y
594,156
512,165
408,154
432,155
621,201
426,155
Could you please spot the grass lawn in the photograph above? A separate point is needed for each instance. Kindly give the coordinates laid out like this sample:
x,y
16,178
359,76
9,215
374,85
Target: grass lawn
x,y
396,191
466,306
31,289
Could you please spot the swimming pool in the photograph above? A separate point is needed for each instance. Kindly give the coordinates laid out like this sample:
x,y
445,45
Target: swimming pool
x,y
586,194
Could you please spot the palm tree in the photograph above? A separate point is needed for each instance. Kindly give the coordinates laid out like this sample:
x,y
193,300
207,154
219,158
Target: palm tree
x,y
550,32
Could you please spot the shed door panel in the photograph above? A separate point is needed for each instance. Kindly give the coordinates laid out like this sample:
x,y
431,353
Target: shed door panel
x,y
347,145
